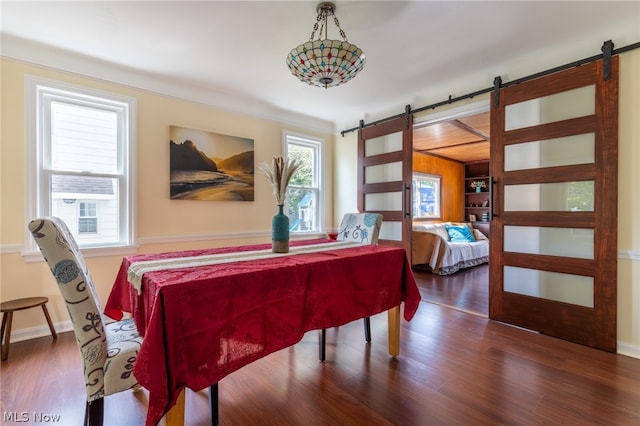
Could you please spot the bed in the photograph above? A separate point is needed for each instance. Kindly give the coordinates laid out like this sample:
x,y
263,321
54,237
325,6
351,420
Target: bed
x,y
445,248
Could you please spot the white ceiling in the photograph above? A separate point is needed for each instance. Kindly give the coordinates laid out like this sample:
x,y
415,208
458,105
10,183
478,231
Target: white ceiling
x,y
232,54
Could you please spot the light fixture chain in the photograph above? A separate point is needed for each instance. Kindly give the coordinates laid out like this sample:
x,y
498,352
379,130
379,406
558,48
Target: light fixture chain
x,y
335,20
323,28
315,26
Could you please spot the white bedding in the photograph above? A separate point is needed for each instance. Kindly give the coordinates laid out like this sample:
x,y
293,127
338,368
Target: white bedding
x,y
431,248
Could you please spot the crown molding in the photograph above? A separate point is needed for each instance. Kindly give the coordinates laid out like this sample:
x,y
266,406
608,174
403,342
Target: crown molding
x,y
38,54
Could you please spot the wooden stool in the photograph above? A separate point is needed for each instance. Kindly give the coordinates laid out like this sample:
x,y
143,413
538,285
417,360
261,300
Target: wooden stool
x,y
8,308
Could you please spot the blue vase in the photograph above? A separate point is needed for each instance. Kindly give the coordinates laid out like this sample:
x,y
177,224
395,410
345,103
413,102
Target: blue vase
x,y
280,232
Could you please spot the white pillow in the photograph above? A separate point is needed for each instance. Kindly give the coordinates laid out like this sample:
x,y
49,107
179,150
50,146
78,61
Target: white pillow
x,y
479,235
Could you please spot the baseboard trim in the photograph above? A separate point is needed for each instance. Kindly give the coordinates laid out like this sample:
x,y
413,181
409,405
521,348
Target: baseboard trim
x,y
629,254
629,349
23,334
11,248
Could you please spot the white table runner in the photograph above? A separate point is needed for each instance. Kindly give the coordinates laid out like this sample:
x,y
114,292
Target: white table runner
x,y
138,269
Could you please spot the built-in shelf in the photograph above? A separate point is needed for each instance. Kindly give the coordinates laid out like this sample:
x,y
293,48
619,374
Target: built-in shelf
x,y
476,204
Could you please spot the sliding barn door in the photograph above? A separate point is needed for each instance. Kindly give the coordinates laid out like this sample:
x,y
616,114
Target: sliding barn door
x,y
554,230
384,177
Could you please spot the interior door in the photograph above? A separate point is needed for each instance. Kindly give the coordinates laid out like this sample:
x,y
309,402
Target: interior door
x,y
554,228
385,165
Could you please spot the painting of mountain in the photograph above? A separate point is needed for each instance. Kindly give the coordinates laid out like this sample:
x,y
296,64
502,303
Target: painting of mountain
x,y
239,162
210,166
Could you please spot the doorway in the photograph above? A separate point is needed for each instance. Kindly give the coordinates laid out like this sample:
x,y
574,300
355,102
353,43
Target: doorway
x,y
445,144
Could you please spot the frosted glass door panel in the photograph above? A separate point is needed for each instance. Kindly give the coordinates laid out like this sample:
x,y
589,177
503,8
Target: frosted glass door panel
x,y
563,196
383,201
387,172
568,242
391,231
574,289
560,106
383,144
578,149
554,152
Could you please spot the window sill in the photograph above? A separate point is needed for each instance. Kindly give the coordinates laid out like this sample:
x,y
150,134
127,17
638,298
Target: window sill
x,y
305,235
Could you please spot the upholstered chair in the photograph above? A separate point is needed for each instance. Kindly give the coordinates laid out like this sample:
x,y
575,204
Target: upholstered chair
x,y
362,228
108,351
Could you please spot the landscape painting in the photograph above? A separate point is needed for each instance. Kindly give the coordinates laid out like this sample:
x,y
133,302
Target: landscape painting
x,y
210,166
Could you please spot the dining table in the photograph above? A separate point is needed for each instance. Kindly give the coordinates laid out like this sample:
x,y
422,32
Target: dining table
x,y
205,313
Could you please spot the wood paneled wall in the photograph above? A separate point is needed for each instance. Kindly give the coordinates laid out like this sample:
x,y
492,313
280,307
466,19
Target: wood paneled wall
x,y
452,173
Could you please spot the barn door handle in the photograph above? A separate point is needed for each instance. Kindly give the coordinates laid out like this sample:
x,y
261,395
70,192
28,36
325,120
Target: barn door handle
x,y
407,201
492,182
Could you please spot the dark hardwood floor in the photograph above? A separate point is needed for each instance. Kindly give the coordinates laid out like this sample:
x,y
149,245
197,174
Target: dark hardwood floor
x,y
466,290
454,369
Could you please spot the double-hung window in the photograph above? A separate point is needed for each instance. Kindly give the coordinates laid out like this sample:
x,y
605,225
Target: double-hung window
x,y
426,196
304,205
80,156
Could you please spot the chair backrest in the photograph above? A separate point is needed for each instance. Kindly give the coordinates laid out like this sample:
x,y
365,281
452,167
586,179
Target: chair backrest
x,y
67,264
361,227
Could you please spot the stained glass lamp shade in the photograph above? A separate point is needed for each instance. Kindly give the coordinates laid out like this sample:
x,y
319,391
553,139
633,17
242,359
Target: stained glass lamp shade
x,y
326,63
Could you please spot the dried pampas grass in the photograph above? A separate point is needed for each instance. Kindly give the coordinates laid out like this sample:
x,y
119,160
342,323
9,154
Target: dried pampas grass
x,y
279,173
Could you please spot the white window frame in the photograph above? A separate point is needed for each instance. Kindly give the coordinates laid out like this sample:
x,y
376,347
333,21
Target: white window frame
x,y
318,146
39,94
438,180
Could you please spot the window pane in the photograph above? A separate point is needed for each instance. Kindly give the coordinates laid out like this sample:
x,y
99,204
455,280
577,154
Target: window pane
x,y
570,242
577,149
560,106
87,225
564,196
383,144
83,139
391,231
426,196
382,201
383,173
302,209
87,209
574,289
305,175
303,198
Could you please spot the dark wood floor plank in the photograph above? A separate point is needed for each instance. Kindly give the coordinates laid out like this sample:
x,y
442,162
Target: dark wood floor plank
x,y
467,289
454,368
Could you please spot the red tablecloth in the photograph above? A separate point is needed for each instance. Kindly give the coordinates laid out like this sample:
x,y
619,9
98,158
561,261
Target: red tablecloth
x,y
200,324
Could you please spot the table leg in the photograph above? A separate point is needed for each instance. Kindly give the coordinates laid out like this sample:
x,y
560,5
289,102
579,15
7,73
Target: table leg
x,y
51,327
213,404
393,319
7,319
175,416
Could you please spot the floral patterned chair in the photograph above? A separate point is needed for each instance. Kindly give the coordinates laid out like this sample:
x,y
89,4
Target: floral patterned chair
x,y
363,228
108,351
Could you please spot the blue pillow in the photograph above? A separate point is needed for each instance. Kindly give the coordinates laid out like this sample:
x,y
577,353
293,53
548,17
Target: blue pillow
x,y
460,234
